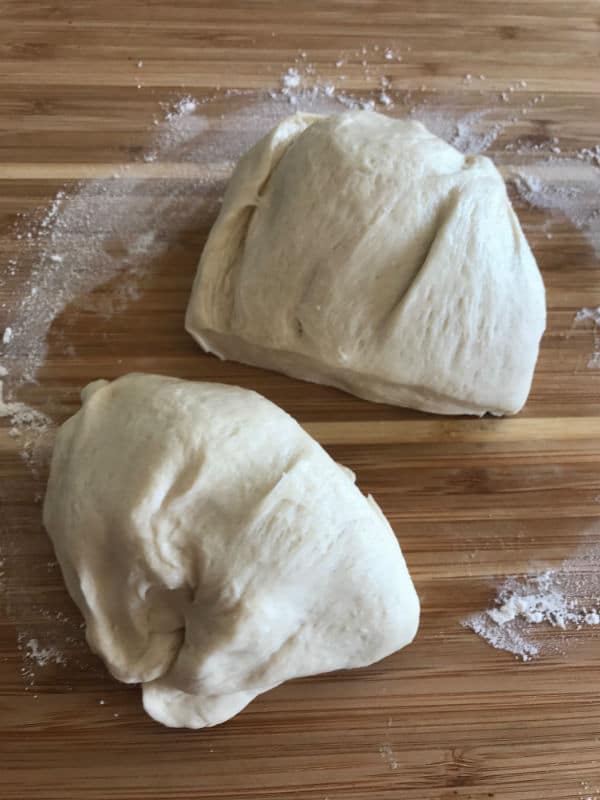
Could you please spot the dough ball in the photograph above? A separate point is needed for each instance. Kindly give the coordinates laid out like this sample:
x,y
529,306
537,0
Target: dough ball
x,y
215,549
365,253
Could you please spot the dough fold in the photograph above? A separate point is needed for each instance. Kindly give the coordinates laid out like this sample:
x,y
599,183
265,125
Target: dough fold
x,y
215,549
365,253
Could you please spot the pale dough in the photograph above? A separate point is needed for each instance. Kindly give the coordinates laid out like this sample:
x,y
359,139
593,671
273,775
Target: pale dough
x,y
366,253
215,549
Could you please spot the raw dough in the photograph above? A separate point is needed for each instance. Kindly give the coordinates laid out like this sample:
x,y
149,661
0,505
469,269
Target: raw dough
x,y
366,253
215,549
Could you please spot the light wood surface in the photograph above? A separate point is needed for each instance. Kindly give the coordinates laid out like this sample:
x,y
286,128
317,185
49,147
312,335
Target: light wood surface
x,y
470,500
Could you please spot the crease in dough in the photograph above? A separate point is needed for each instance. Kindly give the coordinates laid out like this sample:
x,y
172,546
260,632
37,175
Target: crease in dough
x,y
366,253
215,549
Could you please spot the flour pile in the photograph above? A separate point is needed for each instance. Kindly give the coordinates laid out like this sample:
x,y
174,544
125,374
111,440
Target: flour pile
x,y
565,598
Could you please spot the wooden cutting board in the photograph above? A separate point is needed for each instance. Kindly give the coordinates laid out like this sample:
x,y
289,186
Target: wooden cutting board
x,y
471,500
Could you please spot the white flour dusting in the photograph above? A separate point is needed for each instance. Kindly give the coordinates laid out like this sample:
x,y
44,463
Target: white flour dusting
x,y
86,237
302,84
564,186
389,756
589,154
566,598
42,655
589,791
113,230
36,656
31,427
121,224
591,315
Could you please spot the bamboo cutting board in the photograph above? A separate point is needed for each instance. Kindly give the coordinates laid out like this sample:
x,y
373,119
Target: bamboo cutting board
x,y
471,500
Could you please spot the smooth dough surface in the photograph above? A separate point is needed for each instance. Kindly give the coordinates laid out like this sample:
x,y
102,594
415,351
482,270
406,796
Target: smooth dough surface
x,y
215,549
366,253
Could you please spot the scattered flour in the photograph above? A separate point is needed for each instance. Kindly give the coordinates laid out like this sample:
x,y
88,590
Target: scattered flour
x,y
36,655
589,154
470,132
42,655
565,598
302,83
86,237
591,315
114,231
186,105
589,791
565,186
31,427
389,756
291,79
120,225
588,313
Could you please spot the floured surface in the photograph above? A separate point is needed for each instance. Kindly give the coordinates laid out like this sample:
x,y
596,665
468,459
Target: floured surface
x,y
116,231
566,598
116,228
590,318
472,503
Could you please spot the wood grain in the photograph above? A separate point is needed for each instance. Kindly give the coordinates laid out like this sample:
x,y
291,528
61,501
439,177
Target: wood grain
x,y
470,500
